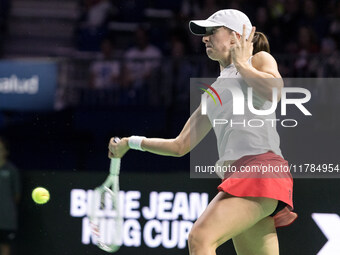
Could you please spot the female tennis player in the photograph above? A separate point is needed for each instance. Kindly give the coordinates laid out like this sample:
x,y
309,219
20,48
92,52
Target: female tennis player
x,y
247,209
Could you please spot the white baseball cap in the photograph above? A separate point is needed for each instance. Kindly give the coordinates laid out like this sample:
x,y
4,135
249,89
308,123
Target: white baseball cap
x,y
229,18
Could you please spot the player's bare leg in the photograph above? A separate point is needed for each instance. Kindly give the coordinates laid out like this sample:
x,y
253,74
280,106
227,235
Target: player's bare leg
x,y
261,239
226,217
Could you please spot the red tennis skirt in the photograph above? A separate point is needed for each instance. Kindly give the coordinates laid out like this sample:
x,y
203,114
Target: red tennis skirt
x,y
263,175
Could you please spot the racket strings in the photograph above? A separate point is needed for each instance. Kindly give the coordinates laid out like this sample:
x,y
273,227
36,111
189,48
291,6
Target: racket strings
x,y
106,198
106,220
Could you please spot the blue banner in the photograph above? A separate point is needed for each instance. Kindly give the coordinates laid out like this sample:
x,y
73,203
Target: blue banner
x,y
27,85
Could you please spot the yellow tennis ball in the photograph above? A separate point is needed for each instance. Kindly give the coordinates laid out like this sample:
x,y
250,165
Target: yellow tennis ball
x,y
40,195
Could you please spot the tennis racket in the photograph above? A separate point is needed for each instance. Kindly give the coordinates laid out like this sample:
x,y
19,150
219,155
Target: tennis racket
x,y
106,197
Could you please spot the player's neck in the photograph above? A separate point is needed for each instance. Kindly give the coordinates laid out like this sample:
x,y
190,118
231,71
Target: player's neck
x,y
225,62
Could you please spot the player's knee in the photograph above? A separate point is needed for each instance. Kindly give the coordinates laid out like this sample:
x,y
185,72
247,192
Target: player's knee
x,y
197,241
194,239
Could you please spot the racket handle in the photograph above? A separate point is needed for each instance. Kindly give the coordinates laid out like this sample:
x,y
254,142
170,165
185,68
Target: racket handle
x,y
115,166
115,162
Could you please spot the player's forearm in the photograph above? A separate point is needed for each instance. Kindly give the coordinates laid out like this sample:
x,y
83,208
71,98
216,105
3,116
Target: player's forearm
x,y
262,82
165,147
194,130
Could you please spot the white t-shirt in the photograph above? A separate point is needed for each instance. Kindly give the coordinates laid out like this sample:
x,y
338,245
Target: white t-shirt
x,y
240,139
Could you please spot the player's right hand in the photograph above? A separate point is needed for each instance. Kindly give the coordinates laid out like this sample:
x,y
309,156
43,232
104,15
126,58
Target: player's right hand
x,y
118,149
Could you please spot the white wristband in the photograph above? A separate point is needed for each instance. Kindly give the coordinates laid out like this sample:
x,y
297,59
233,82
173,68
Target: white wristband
x,y
135,142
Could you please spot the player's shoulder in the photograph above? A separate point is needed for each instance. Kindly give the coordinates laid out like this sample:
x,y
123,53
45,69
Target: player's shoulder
x,y
265,62
263,58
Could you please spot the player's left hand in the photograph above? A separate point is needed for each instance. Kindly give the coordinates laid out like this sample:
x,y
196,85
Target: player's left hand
x,y
118,149
242,48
